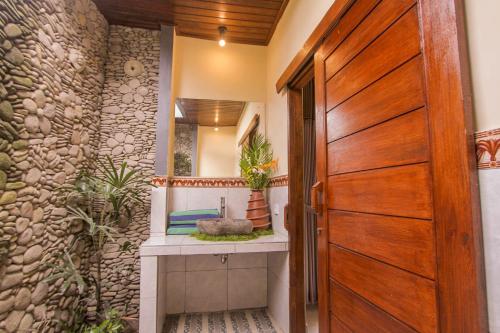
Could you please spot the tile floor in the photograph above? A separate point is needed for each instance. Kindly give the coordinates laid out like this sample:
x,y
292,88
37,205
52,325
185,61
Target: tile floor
x,y
239,321
312,319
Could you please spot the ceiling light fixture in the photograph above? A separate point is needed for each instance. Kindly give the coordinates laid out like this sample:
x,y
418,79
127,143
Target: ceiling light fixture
x,y
222,33
216,129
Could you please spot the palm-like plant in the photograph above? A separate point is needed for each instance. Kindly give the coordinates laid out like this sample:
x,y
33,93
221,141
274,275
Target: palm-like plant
x,y
256,162
100,200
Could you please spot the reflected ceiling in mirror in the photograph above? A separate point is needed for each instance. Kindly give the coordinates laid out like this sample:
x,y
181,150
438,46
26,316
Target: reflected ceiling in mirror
x,y
207,112
209,135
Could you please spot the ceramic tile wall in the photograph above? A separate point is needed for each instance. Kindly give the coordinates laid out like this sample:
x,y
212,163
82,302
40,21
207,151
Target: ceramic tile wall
x,y
489,183
201,283
148,291
187,198
278,198
277,263
278,288
161,290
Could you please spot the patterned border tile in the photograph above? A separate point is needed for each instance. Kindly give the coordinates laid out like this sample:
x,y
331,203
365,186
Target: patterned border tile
x,y
162,181
487,147
205,182
279,181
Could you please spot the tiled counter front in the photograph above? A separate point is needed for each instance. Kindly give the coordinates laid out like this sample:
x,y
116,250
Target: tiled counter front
x,y
178,276
203,283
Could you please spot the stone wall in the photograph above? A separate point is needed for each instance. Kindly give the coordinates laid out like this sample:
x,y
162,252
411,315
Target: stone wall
x,y
183,149
128,125
52,56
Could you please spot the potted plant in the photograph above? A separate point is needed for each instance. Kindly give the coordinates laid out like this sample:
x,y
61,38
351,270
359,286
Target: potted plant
x,y
101,201
257,165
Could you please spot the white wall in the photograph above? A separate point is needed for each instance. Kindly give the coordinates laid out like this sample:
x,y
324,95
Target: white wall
x,y
216,151
298,21
483,26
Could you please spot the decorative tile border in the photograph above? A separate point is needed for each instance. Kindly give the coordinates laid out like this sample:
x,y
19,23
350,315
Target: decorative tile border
x,y
279,181
159,181
205,182
162,181
487,147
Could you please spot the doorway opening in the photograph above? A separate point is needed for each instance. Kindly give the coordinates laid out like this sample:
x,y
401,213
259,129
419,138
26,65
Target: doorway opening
x,y
303,224
310,221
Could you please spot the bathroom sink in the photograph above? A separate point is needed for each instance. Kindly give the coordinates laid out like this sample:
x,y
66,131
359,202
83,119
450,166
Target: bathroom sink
x,y
224,226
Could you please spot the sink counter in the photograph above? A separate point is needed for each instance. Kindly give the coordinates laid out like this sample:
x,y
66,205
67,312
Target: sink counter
x,y
187,245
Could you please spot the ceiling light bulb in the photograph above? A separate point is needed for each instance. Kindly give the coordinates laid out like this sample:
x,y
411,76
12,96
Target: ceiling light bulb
x,y
222,32
216,129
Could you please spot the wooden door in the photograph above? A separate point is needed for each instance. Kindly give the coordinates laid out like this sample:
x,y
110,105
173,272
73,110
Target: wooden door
x,y
401,235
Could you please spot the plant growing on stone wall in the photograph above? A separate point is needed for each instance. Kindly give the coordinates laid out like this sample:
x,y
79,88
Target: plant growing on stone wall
x,y
101,200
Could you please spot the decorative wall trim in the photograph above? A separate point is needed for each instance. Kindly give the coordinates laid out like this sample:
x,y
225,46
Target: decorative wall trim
x,y
163,181
198,182
487,147
279,181
159,181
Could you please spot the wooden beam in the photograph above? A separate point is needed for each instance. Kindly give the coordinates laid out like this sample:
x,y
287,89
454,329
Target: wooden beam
x,y
460,264
296,211
305,54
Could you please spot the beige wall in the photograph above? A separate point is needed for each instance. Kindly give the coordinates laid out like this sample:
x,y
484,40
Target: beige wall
x,y
298,21
216,151
203,69
483,27
251,109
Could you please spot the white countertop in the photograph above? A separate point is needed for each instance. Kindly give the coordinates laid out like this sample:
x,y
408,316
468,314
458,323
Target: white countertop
x,y
187,245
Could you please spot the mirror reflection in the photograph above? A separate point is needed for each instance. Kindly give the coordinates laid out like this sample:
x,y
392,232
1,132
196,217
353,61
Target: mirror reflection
x,y
209,135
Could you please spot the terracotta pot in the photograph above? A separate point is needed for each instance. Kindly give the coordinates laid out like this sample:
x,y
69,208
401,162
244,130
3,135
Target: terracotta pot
x,y
258,210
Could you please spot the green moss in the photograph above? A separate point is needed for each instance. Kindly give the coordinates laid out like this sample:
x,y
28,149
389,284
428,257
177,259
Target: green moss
x,y
232,238
20,144
5,161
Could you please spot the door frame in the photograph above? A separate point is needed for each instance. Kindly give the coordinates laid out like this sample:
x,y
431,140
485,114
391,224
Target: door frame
x,y
459,246
295,213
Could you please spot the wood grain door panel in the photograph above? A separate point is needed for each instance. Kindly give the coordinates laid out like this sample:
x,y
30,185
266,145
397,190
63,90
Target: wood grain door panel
x,y
399,191
358,315
359,10
399,92
402,140
406,296
338,327
376,23
398,44
400,197
402,242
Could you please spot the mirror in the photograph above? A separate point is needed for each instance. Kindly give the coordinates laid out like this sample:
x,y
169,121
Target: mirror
x,y
209,135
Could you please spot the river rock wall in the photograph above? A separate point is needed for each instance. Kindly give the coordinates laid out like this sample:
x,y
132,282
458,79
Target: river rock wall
x,y
52,57
128,133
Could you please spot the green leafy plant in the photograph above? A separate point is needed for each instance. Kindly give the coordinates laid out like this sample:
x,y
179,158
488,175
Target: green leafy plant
x,y
111,324
101,200
232,238
256,162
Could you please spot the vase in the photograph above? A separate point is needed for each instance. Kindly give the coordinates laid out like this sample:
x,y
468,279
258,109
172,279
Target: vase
x,y
258,210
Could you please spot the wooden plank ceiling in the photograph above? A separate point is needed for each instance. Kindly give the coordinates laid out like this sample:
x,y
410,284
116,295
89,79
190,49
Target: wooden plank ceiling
x,y
207,112
247,21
